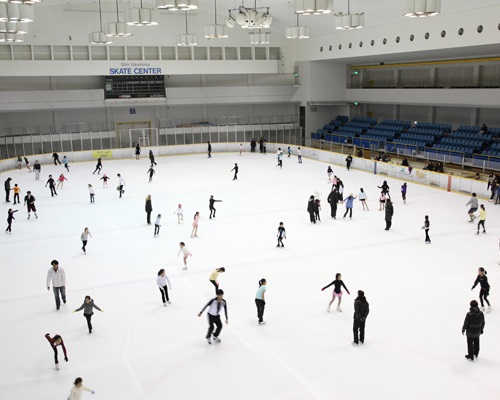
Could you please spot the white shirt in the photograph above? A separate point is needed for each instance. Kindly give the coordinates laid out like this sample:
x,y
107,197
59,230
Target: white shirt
x,y
184,251
77,392
162,281
91,190
179,211
58,277
157,222
122,181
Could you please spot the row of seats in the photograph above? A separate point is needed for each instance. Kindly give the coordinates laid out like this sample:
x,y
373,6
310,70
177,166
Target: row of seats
x,y
475,144
415,136
466,150
350,129
363,125
369,120
434,125
471,136
411,142
492,153
387,134
404,123
392,128
426,131
468,128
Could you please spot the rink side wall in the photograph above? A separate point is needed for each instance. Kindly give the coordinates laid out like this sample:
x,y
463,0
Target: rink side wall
x,y
447,182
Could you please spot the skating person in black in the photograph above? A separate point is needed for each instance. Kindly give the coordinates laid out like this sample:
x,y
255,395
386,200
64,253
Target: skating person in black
x,y
317,208
261,145
211,207
137,151
149,209
337,291
333,199
27,163
348,161
98,167
151,172
214,307
385,188
7,189
55,156
10,217
389,212
426,227
253,144
340,187
361,311
311,207
51,182
482,279
152,158
474,328
281,235
29,201
209,149
260,300
37,168
87,307
235,169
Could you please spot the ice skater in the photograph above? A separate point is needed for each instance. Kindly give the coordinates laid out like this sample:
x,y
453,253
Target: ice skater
x,y
55,157
157,225
57,276
10,218
340,186
214,307
91,193
279,156
65,163
260,300
76,392
54,342
385,189
389,212
162,282
98,167
361,311
121,184
333,199
404,189
426,227
338,284
88,310
84,238
211,207
241,149
148,208
137,151
209,149
329,172
289,151
473,207
37,168
482,219
16,189
299,155
152,159
7,189
382,199
19,162
27,164
362,198
235,169
281,235
214,275
60,181
105,180
473,327
52,185
29,201
180,213
349,201
348,161
194,232
317,208
185,253
151,172
482,280
311,206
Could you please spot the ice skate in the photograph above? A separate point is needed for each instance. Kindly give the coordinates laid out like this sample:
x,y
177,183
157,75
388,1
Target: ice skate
x,y
209,341
482,309
488,309
164,304
328,309
354,344
169,302
471,358
216,339
339,309
185,268
57,367
262,323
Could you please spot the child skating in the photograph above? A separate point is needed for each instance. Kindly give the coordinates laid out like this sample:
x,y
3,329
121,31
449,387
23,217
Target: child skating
x,y
213,277
299,155
91,193
260,300
329,172
51,182
105,180
241,149
194,232
482,219
157,225
185,253
88,310
121,184
235,169
214,307
17,190
76,392
404,190
281,235
84,238
162,281
482,280
349,202
426,227
60,181
151,172
362,198
10,218
337,291
382,200
65,163
180,213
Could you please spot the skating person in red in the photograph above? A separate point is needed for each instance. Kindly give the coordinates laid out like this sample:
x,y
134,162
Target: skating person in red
x,y
60,181
214,307
54,342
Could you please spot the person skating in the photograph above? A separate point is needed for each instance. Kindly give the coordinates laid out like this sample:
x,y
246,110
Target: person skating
x,y
389,212
241,149
29,202
88,310
426,227
57,276
299,155
84,238
148,208
194,232
37,167
76,392
137,151
235,169
54,343
180,213
157,225
16,189
211,207
473,207
104,179
10,218
404,189
348,161
473,327
329,172
185,253
209,149
214,275
98,167
482,219
289,151
482,280
281,235
55,157
317,209
333,199
65,162
279,156
151,172
27,164
349,202
19,162
214,306
385,189
311,206
362,198
152,158
121,184
91,193
60,181
253,144
260,300
340,186
162,281
7,189
361,311
52,185
382,200
338,284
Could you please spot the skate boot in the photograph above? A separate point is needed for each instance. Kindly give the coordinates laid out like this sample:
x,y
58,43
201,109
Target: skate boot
x,y
216,339
209,341
488,309
339,309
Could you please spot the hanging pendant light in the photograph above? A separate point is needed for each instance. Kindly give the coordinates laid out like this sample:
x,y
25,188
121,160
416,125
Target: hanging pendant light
x,y
99,37
143,16
349,21
13,12
216,31
11,38
177,5
297,31
260,37
20,28
117,29
422,8
313,7
187,39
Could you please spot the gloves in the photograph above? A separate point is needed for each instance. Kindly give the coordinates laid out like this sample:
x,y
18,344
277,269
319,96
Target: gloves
x,y
73,312
102,310
66,359
322,289
348,292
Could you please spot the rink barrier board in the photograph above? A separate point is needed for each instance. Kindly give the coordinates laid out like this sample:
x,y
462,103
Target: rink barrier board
x,y
446,182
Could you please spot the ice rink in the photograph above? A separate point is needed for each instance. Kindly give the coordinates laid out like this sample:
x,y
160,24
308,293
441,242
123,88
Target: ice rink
x,y
419,294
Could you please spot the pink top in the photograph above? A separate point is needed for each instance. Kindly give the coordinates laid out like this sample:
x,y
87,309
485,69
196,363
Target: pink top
x,y
195,222
62,178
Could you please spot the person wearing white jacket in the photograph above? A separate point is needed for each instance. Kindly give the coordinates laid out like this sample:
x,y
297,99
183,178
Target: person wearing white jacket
x,y
162,281
77,390
121,184
58,278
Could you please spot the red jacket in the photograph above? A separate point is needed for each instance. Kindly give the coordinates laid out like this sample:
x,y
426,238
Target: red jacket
x,y
52,340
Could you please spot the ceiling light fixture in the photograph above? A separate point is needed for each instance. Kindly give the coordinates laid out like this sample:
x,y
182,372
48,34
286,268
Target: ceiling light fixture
x,y
422,8
13,12
313,7
260,37
187,39
297,31
99,37
349,21
216,31
11,38
21,1
143,16
177,5
118,29
250,18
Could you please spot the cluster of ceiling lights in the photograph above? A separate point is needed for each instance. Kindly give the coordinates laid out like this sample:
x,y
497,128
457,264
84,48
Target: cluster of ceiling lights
x,y
252,18
14,18
422,8
177,5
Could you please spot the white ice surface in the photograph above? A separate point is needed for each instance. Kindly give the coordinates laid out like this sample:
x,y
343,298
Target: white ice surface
x,y
418,294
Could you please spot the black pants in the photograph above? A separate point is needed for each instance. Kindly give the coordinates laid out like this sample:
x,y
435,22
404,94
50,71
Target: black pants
x,y
348,210
214,320
9,227
209,153
153,162
427,238
7,194
388,224
312,217
316,215
280,163
280,242
55,354
56,160
157,229
235,176
92,198
148,217
67,167
212,210
483,295
348,165
473,346
88,317
150,176
164,294
333,207
84,248
481,223
261,304
16,198
97,169
215,284
52,190
120,189
359,328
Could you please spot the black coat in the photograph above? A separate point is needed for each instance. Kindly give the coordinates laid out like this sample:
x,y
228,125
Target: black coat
x,y
389,211
333,198
7,184
349,159
361,309
311,206
149,206
474,323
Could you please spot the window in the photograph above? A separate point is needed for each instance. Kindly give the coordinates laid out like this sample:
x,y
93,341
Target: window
x,y
330,48
384,41
340,47
372,42
397,39
443,33
360,44
350,45
321,48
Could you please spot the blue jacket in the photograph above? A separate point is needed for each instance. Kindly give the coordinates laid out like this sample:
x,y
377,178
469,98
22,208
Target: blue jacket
x,y
349,201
